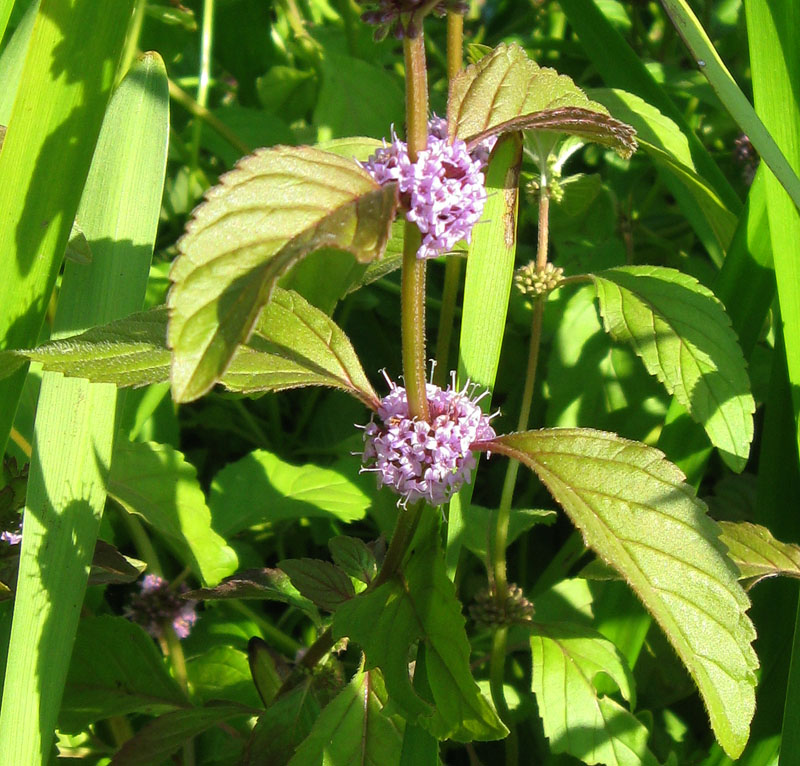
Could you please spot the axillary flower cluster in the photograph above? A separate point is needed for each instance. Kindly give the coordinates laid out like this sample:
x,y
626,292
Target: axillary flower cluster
x,y
426,460
443,192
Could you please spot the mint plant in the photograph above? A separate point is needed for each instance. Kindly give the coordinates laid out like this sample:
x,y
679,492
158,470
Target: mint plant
x,y
399,651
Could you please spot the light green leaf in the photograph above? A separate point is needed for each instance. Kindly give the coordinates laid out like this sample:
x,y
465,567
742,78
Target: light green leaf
x,y
293,345
684,337
386,622
276,206
757,553
663,140
634,509
222,673
353,729
262,488
577,719
155,482
506,91
100,684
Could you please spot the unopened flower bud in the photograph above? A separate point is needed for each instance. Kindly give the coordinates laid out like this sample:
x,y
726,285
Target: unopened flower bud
x,y
533,282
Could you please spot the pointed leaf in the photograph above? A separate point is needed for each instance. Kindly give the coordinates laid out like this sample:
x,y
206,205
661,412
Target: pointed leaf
x,y
506,91
319,581
353,729
684,337
634,509
155,482
422,606
354,556
577,719
276,206
159,739
116,669
757,553
262,669
294,344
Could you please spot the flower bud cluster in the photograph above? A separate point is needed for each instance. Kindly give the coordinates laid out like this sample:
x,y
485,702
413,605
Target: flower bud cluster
x,y
532,282
387,15
158,605
516,610
426,460
443,191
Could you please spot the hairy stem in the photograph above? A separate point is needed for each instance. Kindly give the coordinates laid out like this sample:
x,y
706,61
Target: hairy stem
x,y
413,277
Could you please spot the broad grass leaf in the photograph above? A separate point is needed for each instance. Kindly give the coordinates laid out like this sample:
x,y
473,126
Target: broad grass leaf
x,y
275,207
757,553
155,482
663,140
324,583
262,488
634,509
294,344
684,337
506,91
422,606
577,719
354,728
159,739
104,681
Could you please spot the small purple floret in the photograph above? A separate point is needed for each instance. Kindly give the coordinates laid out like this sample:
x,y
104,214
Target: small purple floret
x,y
12,538
443,191
158,605
426,461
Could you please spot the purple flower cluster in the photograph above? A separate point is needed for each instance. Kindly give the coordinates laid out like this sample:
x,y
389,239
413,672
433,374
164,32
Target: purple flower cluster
x,y
12,536
443,191
426,461
158,605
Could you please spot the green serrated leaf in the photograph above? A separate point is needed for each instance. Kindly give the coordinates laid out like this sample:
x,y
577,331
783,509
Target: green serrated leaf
x,y
354,728
386,622
684,337
577,719
100,684
159,739
506,91
634,509
276,206
319,581
757,553
262,488
353,555
155,482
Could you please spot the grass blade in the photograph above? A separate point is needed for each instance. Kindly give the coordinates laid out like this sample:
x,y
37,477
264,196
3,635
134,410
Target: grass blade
x,y
12,62
46,154
75,425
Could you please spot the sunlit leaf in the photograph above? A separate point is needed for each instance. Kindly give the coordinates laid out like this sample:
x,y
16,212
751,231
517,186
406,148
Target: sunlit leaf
x,y
757,553
276,206
634,509
262,488
155,482
422,606
506,91
354,728
577,719
684,337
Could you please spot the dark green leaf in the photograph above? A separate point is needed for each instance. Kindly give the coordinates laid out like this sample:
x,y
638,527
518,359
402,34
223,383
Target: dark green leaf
x,y
319,581
422,606
155,482
634,509
168,733
111,566
506,91
262,669
353,555
577,719
116,669
354,728
276,206
684,337
757,553
222,673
